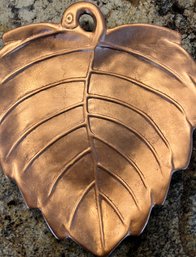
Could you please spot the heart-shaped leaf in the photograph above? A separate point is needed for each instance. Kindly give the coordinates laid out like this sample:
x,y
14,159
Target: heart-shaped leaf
x,y
93,123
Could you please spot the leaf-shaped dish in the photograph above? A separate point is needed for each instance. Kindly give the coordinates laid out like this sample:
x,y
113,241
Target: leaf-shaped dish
x,y
93,123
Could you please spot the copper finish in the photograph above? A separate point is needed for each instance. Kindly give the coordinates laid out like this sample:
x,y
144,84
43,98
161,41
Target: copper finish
x,y
93,123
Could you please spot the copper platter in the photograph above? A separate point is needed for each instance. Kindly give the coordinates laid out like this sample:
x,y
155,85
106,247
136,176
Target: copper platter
x,y
93,124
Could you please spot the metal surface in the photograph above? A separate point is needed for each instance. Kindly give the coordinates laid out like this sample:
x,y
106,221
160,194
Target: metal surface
x,y
92,124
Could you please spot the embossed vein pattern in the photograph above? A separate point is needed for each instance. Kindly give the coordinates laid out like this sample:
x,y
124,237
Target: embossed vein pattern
x,y
87,113
91,132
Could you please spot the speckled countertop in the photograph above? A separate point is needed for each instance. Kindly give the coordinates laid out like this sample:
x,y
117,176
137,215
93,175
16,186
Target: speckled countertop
x,y
171,231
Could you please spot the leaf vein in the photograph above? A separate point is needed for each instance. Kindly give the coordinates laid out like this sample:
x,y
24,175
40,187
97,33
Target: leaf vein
x,y
136,133
147,87
145,57
75,209
94,154
70,164
131,162
113,206
52,142
36,125
41,59
34,92
137,110
122,182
